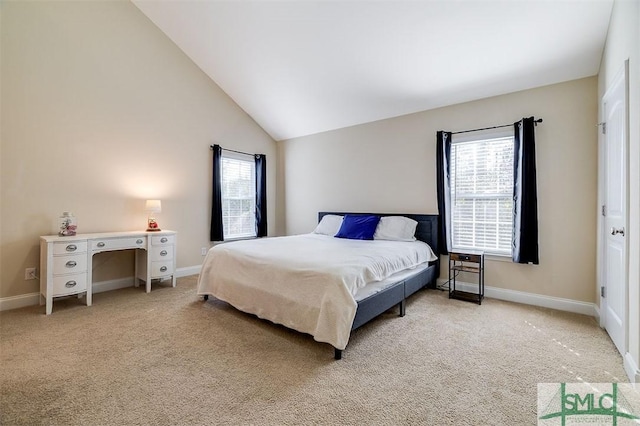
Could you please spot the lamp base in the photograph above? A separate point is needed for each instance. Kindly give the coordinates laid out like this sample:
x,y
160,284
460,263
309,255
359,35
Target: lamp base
x,y
152,225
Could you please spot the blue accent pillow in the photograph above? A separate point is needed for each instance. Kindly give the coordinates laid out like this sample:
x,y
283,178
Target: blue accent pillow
x,y
358,227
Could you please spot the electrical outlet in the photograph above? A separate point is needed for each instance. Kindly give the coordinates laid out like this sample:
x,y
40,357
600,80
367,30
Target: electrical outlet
x,y
203,251
30,274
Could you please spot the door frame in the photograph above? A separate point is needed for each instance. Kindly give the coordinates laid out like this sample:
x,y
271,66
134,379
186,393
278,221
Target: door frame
x,y
602,229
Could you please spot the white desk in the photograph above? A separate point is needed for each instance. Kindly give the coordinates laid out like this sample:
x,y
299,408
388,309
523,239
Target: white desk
x,y
66,262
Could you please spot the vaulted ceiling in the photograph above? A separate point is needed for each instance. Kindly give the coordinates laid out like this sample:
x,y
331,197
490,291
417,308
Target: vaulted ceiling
x,y
304,67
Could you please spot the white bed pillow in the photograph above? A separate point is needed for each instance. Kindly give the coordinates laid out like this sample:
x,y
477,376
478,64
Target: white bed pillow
x,y
396,228
329,225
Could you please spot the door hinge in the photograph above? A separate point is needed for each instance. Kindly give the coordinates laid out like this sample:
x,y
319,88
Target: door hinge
x,y
603,292
604,210
604,127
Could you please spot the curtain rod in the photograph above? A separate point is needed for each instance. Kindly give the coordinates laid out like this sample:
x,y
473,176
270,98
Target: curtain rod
x,y
539,120
233,150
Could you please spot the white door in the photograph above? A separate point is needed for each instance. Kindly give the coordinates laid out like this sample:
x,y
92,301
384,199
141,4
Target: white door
x,y
614,302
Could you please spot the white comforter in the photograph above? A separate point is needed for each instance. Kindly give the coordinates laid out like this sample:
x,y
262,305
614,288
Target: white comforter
x,y
305,282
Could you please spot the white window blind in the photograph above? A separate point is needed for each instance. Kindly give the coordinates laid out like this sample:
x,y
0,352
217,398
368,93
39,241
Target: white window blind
x,y
238,196
482,195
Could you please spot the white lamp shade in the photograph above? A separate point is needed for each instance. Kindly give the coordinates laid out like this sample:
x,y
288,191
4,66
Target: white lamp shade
x,y
153,206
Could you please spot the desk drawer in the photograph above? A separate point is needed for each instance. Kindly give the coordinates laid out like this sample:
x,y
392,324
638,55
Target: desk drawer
x,y
158,240
69,284
69,264
118,243
161,269
161,253
70,247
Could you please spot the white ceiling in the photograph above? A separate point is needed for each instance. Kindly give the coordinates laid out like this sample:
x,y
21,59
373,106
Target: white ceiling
x,y
304,67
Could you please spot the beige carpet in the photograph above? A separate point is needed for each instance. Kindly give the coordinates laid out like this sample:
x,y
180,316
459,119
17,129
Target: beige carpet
x,y
168,358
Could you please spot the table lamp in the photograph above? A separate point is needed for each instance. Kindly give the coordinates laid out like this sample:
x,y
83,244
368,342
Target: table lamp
x,y
153,206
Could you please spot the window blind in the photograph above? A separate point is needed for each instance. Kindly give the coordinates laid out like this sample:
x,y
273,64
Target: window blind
x,y
238,197
482,195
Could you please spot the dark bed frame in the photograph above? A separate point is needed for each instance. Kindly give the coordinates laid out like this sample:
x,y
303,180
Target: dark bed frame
x,y
397,294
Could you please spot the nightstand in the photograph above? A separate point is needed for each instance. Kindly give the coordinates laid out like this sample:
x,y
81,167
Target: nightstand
x,y
471,262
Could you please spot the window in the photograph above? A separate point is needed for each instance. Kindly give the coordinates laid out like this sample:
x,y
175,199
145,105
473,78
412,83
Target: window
x,y
481,183
238,195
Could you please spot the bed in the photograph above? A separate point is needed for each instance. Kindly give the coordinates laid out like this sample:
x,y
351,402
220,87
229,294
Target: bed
x,y
321,285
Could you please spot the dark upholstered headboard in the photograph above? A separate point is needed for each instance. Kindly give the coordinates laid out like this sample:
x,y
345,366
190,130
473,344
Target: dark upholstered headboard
x,y
427,229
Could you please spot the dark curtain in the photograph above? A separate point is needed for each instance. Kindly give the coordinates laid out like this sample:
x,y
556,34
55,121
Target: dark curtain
x,y
525,199
443,158
216,231
261,195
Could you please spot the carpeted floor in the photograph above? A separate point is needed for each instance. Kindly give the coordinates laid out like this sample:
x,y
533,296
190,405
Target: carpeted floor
x,y
168,358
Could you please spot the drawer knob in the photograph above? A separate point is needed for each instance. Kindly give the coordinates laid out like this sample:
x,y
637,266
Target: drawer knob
x,y
71,264
70,284
163,240
163,269
72,247
163,253
101,244
138,241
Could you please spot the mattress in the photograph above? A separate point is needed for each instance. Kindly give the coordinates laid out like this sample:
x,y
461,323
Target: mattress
x,y
376,287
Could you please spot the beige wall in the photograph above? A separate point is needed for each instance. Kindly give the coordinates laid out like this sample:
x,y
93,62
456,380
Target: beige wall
x,y
623,42
101,111
389,166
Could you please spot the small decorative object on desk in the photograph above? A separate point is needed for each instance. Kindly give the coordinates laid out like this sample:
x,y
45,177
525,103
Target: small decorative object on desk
x,y
68,224
153,206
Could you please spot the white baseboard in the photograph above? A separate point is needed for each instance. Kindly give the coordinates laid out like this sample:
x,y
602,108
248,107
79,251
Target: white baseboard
x,y
101,286
189,270
558,303
568,305
31,299
21,301
631,368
